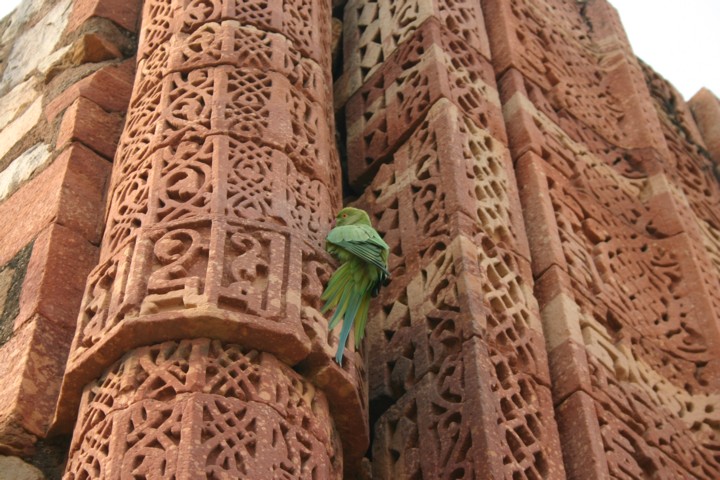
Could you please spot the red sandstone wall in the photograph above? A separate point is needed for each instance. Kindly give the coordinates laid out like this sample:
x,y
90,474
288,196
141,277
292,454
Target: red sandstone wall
x,y
618,204
64,89
551,204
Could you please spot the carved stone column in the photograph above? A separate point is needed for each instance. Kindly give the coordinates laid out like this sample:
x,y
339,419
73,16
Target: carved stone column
x,y
225,184
459,381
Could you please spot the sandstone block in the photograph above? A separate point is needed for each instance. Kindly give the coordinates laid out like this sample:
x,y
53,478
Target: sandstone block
x,y
22,168
402,449
31,364
18,128
14,468
85,122
244,47
125,13
34,48
16,100
705,108
582,443
394,100
540,223
55,278
109,88
373,31
569,370
70,192
94,48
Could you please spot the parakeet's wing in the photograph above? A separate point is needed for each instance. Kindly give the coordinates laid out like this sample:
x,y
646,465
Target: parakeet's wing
x,y
363,242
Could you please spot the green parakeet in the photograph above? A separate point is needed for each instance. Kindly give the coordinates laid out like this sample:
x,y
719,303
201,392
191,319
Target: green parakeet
x,y
363,256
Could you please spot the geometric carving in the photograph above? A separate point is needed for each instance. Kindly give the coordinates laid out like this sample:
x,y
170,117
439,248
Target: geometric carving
x,y
375,29
458,406
224,187
230,412
445,207
583,70
622,281
305,23
179,170
433,64
447,166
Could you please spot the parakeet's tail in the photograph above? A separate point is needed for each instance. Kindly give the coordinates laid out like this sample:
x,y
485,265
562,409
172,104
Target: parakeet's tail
x,y
351,300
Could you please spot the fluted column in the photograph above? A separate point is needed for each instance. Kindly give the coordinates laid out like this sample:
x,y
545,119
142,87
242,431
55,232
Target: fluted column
x,y
225,184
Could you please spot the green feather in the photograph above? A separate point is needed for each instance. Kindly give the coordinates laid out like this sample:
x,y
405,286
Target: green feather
x,y
363,255
336,286
361,319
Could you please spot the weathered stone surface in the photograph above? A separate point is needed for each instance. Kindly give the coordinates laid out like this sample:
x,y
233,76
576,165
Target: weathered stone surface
x,y
109,88
15,469
85,122
17,100
581,439
19,17
447,425
123,12
588,72
12,277
34,48
55,278
18,128
374,29
224,186
94,48
706,110
554,242
433,64
6,281
31,363
236,413
458,320
22,168
610,211
69,192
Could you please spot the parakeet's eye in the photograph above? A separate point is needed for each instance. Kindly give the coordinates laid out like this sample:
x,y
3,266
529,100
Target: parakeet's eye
x,y
344,215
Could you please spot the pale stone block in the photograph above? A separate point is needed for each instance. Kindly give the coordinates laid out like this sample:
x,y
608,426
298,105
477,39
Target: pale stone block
x,y
15,469
14,132
22,168
19,17
16,101
32,48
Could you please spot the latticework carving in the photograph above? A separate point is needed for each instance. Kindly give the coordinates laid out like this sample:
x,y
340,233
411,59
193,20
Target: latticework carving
x,y
225,184
203,408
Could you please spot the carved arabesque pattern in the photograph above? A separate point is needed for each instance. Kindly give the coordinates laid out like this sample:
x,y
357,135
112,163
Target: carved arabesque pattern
x,y
375,29
661,430
639,280
305,22
247,407
694,187
584,70
595,174
224,188
627,295
432,65
451,185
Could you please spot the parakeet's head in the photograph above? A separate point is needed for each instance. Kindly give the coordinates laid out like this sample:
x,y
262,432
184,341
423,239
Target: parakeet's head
x,y
352,216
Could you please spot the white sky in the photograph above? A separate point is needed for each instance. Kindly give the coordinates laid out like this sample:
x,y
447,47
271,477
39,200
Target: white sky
x,y
680,43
